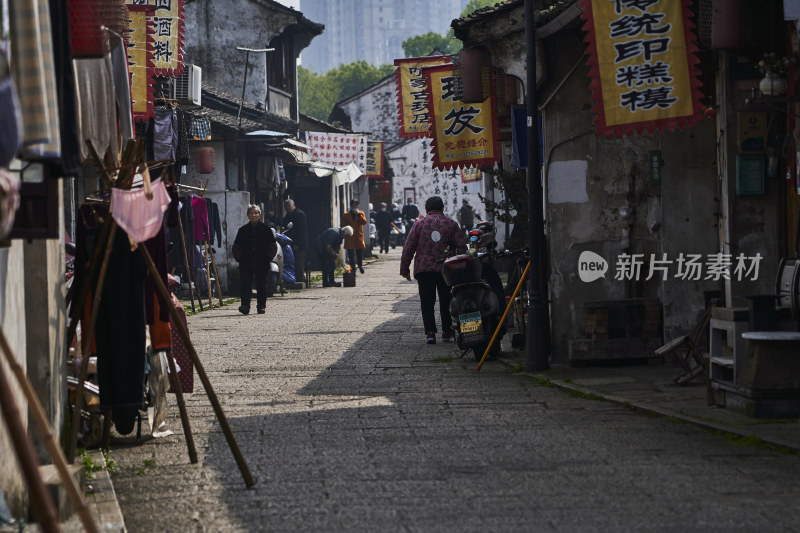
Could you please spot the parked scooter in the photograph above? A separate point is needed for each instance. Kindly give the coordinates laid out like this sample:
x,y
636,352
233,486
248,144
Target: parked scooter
x,y
478,301
482,238
275,275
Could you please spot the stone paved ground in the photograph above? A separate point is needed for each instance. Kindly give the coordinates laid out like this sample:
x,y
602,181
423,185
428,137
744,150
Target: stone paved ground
x,y
349,422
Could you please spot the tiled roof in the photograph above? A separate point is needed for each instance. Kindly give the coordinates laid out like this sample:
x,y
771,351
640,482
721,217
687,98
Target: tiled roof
x,y
223,110
552,9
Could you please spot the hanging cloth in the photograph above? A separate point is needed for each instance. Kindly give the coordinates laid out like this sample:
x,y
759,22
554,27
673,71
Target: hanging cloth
x,y
96,104
200,129
120,73
200,211
139,217
165,134
32,49
11,125
65,88
214,223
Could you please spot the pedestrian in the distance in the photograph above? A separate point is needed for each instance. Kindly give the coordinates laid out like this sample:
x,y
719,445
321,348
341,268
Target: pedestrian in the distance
x,y
254,248
427,243
410,211
466,216
354,245
383,225
327,248
299,236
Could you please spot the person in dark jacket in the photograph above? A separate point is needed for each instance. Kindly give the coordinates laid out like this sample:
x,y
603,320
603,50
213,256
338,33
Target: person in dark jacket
x,y
327,248
299,236
254,248
410,211
383,224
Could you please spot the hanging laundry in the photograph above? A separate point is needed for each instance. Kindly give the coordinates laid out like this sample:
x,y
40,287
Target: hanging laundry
x,y
139,217
183,138
179,350
11,125
65,88
200,209
97,108
9,200
122,85
32,50
165,134
201,129
214,223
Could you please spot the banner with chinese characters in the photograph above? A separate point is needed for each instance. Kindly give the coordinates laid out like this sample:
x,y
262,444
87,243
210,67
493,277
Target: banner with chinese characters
x,y
412,94
374,163
167,23
470,174
642,65
464,134
140,61
338,149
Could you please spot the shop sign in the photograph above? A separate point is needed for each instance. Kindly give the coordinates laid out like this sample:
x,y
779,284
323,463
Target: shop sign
x,y
412,95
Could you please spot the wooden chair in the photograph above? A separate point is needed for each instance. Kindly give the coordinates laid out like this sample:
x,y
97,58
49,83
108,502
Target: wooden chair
x,y
689,351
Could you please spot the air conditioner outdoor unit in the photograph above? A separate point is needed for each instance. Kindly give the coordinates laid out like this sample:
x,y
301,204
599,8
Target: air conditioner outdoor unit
x,y
188,85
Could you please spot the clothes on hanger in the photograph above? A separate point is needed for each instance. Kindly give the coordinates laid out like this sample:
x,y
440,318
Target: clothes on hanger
x,y
164,127
139,217
214,223
200,209
96,104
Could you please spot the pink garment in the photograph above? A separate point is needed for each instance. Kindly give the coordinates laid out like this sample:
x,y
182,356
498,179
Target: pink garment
x,y
200,212
139,217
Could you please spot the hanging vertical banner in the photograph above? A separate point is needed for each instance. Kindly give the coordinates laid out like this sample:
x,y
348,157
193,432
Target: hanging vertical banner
x,y
412,94
464,134
642,65
374,163
168,31
338,149
140,60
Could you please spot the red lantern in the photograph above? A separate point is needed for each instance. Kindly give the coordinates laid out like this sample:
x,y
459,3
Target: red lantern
x,y
205,160
385,187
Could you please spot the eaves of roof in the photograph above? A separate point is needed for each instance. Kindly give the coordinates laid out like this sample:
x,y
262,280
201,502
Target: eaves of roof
x,y
313,28
308,123
552,10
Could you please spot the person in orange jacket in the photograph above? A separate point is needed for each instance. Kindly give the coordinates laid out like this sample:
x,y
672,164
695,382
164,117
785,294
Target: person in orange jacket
x,y
354,245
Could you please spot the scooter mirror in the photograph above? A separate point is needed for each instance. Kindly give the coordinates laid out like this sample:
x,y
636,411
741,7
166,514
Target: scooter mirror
x,y
290,225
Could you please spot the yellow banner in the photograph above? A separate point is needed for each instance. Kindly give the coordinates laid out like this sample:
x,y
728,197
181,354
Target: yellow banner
x,y
464,134
167,25
140,41
412,94
641,60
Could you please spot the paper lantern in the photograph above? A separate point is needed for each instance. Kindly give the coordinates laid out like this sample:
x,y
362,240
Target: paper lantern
x,y
205,160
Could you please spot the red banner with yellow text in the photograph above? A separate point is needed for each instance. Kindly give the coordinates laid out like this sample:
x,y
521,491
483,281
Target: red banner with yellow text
x,y
412,95
642,65
464,134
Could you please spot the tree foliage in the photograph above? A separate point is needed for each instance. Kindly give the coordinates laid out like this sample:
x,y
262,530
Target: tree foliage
x,y
318,93
513,205
422,45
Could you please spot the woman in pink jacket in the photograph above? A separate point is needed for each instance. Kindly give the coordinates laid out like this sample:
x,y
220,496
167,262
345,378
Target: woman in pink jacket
x,y
426,244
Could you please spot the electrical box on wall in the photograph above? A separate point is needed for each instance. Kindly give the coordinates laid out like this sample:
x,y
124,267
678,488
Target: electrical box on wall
x,y
749,174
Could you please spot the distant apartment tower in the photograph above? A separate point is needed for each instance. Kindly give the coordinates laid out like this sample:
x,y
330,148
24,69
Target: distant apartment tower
x,y
372,30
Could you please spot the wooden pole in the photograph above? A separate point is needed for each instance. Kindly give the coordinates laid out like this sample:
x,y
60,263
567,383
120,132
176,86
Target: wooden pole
x,y
216,275
505,314
187,429
50,443
182,331
189,272
87,343
208,276
43,508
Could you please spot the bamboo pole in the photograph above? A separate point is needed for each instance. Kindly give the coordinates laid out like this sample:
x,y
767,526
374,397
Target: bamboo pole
x,y
49,439
182,331
216,275
505,314
208,276
187,429
43,508
189,272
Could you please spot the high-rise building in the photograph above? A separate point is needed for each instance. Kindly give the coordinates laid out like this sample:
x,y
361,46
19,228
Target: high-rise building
x,y
372,30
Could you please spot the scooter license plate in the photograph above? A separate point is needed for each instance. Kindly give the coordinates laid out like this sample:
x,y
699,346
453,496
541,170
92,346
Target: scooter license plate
x,y
470,322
